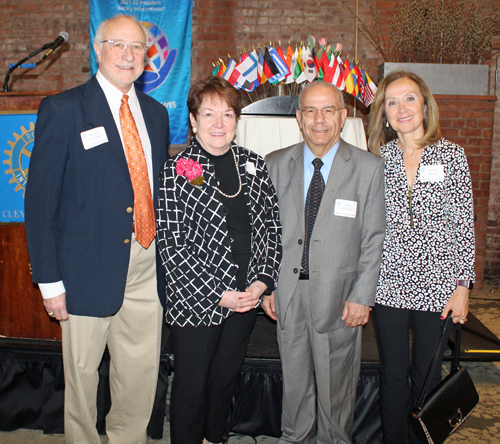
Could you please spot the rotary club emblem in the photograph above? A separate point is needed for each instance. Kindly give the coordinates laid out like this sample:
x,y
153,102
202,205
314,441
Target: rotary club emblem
x,y
19,157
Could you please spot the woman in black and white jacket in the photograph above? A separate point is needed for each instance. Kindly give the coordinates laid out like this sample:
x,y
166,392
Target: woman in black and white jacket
x,y
219,237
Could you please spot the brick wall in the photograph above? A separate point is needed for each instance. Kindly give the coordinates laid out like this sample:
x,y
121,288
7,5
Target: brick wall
x,y
229,26
28,25
468,121
492,264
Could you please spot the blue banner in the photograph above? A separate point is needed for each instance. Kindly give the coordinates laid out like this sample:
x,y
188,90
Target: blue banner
x,y
17,133
167,72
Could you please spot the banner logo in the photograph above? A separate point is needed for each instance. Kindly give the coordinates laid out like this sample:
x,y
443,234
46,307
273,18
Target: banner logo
x,y
167,71
159,61
19,156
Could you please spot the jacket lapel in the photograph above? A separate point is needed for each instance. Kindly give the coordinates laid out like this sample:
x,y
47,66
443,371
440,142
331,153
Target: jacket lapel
x,y
297,180
98,114
335,178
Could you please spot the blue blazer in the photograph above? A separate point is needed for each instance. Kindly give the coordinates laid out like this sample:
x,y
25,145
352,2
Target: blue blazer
x,y
77,224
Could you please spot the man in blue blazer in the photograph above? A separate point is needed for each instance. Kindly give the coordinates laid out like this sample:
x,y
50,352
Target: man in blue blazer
x,y
96,278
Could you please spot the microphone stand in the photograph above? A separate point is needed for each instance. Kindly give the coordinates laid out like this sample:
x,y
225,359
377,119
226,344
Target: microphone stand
x,y
18,64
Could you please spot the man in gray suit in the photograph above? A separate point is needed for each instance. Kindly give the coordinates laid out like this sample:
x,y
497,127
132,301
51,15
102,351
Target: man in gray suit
x,y
332,211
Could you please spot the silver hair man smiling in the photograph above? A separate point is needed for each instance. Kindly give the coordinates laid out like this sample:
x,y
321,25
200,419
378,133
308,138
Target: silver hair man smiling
x,y
90,226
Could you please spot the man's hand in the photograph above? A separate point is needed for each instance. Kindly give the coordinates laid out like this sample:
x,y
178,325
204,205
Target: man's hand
x,y
239,301
355,314
269,306
56,307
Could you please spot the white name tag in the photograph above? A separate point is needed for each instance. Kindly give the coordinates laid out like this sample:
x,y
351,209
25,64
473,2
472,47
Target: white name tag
x,y
345,208
251,168
432,173
94,137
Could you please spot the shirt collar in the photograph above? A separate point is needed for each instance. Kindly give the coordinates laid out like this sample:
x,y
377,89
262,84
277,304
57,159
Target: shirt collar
x,y
113,94
327,158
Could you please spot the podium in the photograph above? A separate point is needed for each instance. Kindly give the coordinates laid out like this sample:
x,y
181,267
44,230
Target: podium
x,y
22,314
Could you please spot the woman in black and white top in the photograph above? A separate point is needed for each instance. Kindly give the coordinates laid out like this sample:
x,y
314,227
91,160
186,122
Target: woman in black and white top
x,y
428,255
219,237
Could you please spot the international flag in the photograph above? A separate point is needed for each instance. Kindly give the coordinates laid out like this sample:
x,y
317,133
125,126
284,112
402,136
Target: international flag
x,y
361,84
326,72
215,70
260,68
355,93
310,69
320,73
280,64
248,71
299,59
349,81
222,68
293,66
332,72
283,58
289,56
338,78
270,68
299,75
233,78
370,90
319,56
229,69
236,76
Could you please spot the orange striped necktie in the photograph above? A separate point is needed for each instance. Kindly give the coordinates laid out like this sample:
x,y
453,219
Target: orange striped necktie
x,y
144,215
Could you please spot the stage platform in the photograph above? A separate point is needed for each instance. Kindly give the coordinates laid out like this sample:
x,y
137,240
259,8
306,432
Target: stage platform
x,y
32,383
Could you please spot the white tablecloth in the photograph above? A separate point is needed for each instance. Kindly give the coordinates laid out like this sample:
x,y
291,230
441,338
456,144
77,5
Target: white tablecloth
x,y
264,134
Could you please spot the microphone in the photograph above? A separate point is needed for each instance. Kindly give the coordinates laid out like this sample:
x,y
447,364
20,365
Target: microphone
x,y
60,39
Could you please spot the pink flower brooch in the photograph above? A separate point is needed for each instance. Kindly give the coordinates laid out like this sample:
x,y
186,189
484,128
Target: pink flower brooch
x,y
192,170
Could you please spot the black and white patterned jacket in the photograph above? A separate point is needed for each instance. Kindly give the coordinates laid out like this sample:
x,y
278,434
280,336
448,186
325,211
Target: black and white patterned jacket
x,y
193,239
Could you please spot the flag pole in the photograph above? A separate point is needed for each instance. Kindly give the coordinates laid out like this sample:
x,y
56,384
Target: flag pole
x,y
356,47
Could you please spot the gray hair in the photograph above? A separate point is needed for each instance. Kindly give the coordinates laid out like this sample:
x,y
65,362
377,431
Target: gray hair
x,y
328,85
99,34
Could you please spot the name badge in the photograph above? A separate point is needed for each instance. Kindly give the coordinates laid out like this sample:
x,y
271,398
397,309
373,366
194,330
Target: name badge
x,y
345,208
432,173
251,168
94,137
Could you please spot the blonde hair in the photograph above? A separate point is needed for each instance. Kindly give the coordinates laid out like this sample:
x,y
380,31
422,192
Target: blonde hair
x,y
379,134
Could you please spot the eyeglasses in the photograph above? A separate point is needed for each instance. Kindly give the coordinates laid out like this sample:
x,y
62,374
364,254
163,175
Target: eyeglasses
x,y
327,111
121,46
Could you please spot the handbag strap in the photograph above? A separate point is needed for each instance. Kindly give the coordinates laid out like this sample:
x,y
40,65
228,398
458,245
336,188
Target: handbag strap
x,y
435,357
456,348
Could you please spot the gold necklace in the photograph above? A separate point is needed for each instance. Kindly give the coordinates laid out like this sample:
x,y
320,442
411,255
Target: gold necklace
x,y
239,178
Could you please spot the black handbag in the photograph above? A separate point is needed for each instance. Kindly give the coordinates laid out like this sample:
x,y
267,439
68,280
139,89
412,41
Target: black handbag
x,y
439,414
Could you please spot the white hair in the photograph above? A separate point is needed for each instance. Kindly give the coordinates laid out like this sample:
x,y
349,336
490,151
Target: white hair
x,y
99,34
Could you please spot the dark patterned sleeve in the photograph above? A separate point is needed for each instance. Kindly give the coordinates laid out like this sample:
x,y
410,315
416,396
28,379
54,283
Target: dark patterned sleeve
x,y
462,209
191,289
271,264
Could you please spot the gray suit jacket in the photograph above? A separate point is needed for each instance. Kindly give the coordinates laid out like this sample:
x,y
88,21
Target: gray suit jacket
x,y
345,252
